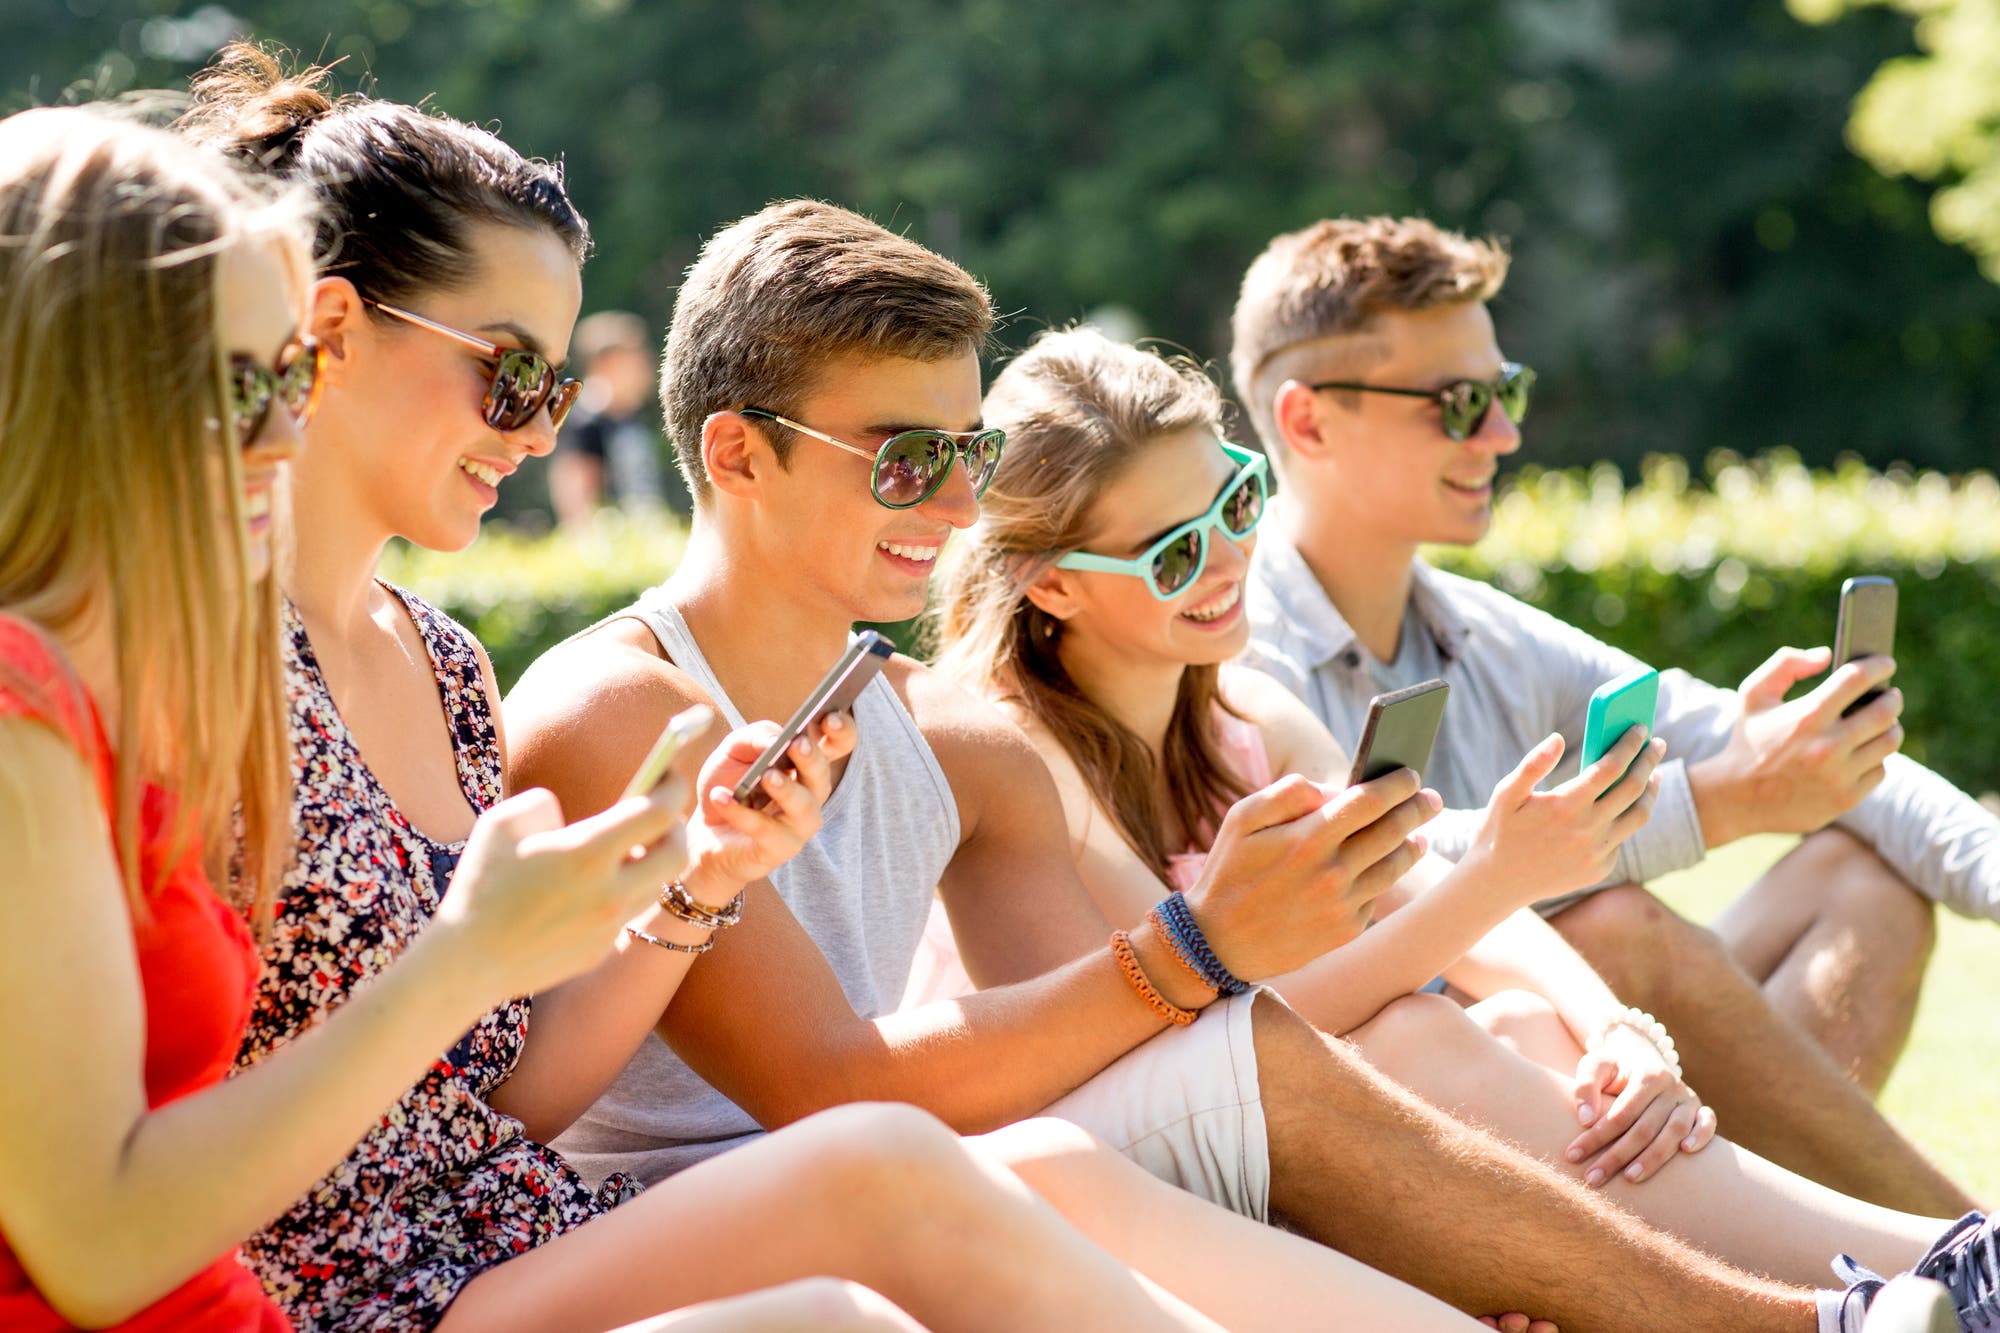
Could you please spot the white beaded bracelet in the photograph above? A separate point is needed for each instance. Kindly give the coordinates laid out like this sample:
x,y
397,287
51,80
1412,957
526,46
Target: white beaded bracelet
x,y
1646,1026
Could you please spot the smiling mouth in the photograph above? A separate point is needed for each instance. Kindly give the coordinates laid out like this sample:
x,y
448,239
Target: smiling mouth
x,y
923,555
1470,486
482,471
1217,606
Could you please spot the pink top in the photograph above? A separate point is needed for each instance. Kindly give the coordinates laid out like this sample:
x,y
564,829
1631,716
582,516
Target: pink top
x,y
939,974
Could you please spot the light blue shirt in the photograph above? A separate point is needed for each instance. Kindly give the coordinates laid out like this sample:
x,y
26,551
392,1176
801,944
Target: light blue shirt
x,y
1517,674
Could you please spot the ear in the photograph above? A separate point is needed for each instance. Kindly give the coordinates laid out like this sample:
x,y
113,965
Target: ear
x,y
1054,593
335,316
1298,410
735,454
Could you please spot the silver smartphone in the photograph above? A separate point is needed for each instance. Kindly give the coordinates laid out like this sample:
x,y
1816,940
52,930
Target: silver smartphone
x,y
836,692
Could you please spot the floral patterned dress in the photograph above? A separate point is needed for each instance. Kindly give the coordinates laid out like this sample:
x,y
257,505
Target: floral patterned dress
x,y
444,1186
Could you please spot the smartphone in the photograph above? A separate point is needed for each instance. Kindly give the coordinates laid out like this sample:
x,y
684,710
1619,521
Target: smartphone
x,y
1867,626
681,728
1617,707
1401,728
836,691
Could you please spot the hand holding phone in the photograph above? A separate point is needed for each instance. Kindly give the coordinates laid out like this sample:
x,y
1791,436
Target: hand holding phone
x,y
1866,628
1402,727
836,692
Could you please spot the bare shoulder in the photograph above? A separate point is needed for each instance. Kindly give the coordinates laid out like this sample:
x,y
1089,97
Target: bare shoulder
x,y
582,717
1294,738
986,758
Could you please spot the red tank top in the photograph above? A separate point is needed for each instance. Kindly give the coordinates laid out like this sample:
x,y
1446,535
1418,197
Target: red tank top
x,y
198,967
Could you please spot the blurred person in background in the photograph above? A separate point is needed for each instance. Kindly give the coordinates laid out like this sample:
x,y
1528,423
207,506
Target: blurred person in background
x,y
609,452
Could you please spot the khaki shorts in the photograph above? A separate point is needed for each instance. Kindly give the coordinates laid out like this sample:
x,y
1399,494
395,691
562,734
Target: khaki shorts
x,y
1187,1107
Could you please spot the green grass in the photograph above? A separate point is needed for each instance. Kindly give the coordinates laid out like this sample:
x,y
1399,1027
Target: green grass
x,y
1946,1092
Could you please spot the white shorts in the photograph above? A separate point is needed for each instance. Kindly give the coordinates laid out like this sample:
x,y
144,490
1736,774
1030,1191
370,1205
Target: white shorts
x,y
1187,1107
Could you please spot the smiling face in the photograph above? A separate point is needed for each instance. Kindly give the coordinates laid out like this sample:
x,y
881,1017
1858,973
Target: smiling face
x,y
817,517
1173,478
401,429
1383,466
259,309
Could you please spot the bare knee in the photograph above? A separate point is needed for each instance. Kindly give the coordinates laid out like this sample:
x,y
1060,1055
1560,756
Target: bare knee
x,y
1429,1044
1514,1016
1648,953
882,1151
817,1302
1865,899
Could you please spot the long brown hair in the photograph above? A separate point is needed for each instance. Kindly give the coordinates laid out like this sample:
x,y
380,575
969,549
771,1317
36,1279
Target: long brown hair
x,y
1079,408
124,492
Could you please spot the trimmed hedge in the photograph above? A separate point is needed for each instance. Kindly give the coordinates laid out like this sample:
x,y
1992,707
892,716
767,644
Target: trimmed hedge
x,y
1708,573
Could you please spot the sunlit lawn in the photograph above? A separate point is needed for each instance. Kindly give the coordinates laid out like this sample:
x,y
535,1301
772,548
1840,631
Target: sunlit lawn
x,y
1946,1092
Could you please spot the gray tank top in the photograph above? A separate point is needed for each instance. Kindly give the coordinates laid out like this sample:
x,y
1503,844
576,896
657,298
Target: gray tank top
x,y
862,889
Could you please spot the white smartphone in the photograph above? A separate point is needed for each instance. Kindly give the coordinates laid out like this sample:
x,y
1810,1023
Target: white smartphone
x,y
681,728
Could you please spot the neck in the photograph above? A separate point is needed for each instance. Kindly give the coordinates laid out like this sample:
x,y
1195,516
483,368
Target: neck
x,y
336,545
1138,695
766,635
1367,579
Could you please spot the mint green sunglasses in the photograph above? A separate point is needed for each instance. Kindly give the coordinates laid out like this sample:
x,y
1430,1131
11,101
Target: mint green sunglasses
x,y
1172,564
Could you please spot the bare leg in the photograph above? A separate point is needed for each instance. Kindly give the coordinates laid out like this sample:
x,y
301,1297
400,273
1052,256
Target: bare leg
x,y
1772,1087
1839,943
823,1304
883,1196
1361,1164
1245,1276
1724,1199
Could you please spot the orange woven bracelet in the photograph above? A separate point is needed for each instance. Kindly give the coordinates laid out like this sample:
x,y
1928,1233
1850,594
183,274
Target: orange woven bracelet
x,y
1174,948
1128,963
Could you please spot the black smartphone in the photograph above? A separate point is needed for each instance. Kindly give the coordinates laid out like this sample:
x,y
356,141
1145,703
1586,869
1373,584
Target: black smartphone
x,y
836,692
1867,626
1401,728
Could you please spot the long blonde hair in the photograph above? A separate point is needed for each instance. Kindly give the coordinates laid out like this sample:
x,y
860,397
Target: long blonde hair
x,y
1079,408
123,500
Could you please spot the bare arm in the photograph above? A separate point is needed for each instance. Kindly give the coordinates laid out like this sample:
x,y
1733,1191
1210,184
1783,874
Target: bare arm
x,y
110,1205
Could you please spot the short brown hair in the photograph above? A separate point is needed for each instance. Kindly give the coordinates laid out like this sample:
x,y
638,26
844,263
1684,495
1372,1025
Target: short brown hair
x,y
783,290
1333,278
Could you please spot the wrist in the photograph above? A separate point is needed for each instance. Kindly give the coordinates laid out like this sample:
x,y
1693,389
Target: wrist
x,y
710,885
1169,975
1721,800
1648,1029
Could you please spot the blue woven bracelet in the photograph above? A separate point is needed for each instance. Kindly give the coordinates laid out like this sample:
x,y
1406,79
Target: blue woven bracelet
x,y
1194,945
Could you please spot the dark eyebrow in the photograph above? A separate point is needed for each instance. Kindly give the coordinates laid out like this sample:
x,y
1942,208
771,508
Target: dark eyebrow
x,y
528,341
885,431
1148,540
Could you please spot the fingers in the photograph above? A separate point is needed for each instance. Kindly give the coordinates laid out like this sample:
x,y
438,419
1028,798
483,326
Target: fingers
x,y
1703,1132
612,834
521,815
1597,1077
1611,766
1637,778
1355,808
1848,684
1666,1145
1537,764
1285,800
836,736
1766,686
1646,1116
1637,814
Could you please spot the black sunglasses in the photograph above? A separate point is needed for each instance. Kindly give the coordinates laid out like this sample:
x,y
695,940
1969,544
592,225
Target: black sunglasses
x,y
522,381
294,381
1464,403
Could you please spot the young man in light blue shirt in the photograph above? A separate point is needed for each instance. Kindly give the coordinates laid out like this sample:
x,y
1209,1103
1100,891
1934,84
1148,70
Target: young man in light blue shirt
x,y
1367,359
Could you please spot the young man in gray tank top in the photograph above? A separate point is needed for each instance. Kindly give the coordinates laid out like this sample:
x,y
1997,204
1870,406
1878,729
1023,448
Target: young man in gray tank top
x,y
1338,601
804,336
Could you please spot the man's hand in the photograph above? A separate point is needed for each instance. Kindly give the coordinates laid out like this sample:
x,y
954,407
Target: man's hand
x,y
1538,844
1796,767
1296,868
1638,1114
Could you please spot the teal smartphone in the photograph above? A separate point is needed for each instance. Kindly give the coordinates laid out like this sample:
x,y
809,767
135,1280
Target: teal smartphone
x,y
1617,707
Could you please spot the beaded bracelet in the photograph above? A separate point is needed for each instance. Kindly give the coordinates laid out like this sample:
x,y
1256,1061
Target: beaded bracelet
x,y
673,945
1646,1026
1175,948
1128,963
1189,942
679,902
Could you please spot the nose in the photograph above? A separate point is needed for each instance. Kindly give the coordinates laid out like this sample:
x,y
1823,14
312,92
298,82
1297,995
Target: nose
x,y
278,441
537,437
954,502
1229,555
1497,435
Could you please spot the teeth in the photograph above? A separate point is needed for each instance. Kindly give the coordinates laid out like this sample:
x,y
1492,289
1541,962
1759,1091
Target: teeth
x,y
1220,606
489,475
925,554
257,504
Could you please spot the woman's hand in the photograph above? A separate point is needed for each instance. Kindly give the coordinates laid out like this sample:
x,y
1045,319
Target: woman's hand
x,y
535,901
1537,844
731,844
1637,1112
